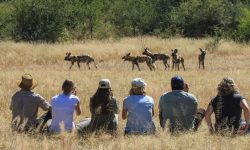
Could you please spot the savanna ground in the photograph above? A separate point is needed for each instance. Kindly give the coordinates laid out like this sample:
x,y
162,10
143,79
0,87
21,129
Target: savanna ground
x,y
46,63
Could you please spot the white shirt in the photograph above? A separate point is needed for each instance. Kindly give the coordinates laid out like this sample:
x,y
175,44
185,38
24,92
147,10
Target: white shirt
x,y
63,107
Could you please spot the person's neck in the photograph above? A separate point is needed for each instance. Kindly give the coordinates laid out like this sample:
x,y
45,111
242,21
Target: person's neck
x,y
67,94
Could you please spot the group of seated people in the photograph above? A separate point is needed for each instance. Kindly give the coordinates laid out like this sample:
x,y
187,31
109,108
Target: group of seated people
x,y
178,110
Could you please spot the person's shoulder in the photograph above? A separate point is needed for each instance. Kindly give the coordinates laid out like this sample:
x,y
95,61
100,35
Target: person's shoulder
x,y
238,96
74,97
55,97
191,95
149,98
166,94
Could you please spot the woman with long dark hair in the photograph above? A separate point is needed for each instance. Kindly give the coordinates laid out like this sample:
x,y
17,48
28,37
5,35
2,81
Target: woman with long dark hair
x,y
103,108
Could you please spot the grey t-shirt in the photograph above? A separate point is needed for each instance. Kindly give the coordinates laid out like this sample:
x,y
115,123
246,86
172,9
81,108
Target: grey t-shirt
x,y
24,106
179,108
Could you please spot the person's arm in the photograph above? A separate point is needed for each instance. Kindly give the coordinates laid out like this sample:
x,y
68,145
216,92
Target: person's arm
x,y
78,109
208,114
42,103
162,120
124,110
245,107
116,108
124,113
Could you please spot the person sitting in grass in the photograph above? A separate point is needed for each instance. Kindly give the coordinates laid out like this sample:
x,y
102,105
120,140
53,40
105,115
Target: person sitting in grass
x,y
104,109
180,108
24,106
63,107
227,106
138,109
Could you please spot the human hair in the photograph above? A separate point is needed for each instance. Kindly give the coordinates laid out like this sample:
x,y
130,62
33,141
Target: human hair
x,y
67,86
25,87
227,86
137,91
100,99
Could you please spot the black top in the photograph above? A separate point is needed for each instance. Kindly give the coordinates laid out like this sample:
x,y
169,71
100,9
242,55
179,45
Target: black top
x,y
227,111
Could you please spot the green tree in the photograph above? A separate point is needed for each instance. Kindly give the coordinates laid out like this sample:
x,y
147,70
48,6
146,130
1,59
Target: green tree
x,y
243,29
197,18
38,20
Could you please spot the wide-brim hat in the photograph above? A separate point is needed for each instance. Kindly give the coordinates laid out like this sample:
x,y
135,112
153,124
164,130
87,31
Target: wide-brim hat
x,y
27,80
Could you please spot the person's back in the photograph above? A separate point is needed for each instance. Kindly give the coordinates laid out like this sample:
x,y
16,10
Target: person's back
x,y
227,107
139,109
228,112
104,118
180,108
103,107
63,107
25,104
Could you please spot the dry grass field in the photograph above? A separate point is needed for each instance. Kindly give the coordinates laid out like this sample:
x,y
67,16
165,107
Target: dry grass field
x,y
46,63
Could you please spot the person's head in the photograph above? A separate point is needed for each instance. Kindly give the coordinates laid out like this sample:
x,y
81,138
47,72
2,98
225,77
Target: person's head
x,y
103,94
177,83
27,82
138,87
227,86
186,87
68,86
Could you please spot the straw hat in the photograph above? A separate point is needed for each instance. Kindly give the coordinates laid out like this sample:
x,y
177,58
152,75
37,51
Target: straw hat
x,y
27,81
138,82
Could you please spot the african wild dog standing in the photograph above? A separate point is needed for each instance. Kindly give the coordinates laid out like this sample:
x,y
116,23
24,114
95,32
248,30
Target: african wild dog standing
x,y
139,59
176,60
161,57
201,58
78,59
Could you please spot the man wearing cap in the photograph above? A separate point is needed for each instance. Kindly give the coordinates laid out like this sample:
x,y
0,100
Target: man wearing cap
x,y
177,106
24,105
138,109
63,107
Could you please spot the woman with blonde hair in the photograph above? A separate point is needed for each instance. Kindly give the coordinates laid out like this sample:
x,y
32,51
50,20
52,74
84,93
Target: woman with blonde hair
x,y
227,106
138,109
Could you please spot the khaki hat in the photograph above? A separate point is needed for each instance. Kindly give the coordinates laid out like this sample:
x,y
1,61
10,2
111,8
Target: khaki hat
x,y
138,82
104,84
27,80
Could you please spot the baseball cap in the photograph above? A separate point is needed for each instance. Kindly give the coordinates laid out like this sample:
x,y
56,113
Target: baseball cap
x,y
138,82
104,84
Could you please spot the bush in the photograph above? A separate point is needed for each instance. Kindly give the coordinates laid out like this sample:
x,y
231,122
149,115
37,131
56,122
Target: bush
x,y
38,20
243,29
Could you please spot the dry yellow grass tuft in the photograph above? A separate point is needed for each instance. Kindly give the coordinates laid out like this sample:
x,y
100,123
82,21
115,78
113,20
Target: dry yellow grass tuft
x,y
46,63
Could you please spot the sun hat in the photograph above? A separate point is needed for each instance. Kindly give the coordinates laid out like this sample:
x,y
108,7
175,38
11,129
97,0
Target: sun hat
x,y
177,82
27,80
104,84
138,82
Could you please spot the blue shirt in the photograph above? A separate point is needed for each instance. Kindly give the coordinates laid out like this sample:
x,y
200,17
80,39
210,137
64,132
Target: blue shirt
x,y
139,109
179,108
63,107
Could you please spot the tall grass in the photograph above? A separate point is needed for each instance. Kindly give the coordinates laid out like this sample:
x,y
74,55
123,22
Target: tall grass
x,y
46,63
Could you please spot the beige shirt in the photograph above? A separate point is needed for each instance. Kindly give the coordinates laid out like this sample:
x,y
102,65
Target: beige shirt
x,y
24,106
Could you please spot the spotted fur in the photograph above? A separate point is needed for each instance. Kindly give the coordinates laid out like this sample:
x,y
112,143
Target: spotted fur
x,y
201,58
160,57
80,59
139,59
176,60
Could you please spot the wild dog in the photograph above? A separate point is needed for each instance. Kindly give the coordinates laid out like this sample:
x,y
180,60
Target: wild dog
x,y
161,57
201,58
80,59
176,60
139,59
